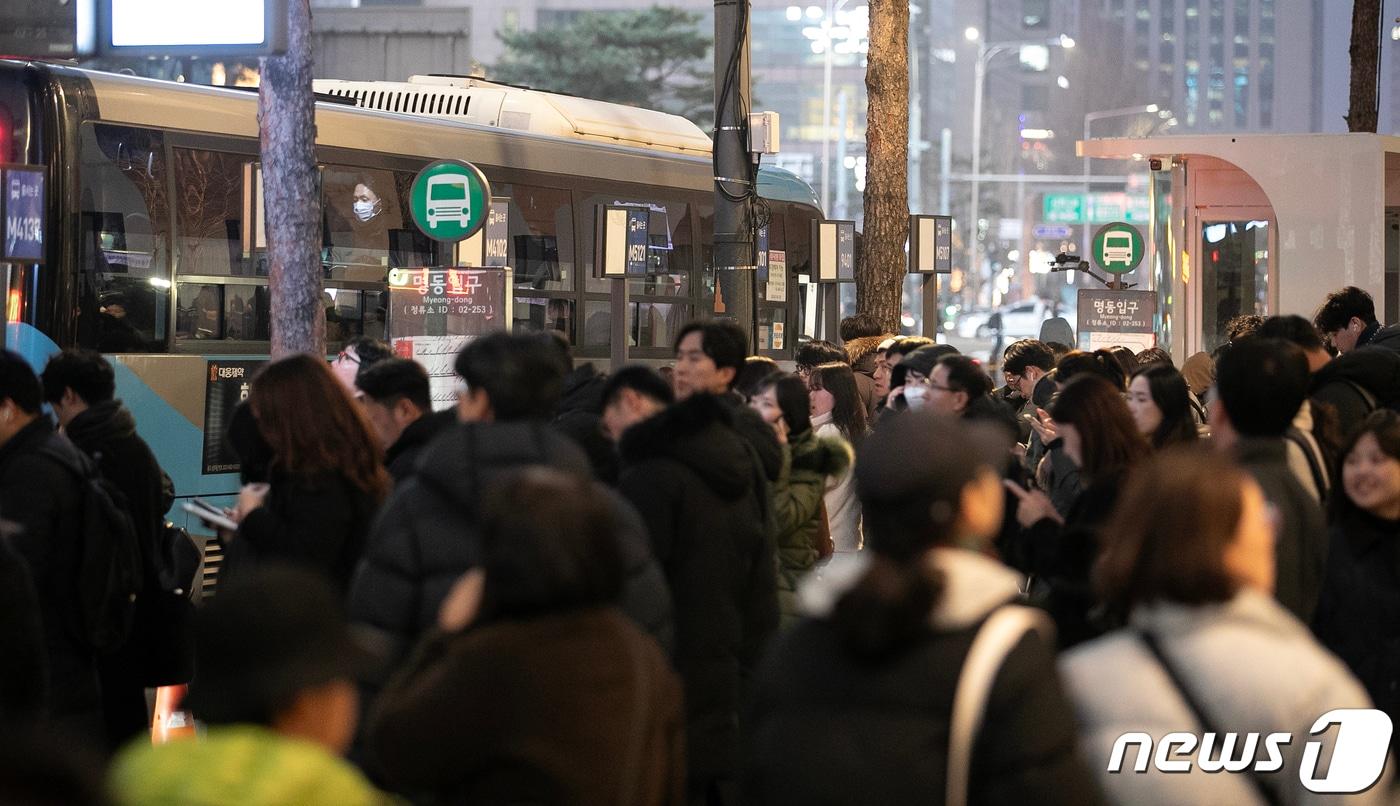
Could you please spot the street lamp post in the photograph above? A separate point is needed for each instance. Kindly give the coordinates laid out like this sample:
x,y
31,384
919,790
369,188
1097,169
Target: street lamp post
x,y
1089,119
985,53
832,9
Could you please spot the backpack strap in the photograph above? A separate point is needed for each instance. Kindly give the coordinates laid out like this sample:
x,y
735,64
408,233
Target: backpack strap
x,y
1367,396
998,635
1193,704
1319,476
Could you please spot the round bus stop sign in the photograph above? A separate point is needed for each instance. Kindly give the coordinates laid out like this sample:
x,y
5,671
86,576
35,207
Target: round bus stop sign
x,y
1118,248
450,200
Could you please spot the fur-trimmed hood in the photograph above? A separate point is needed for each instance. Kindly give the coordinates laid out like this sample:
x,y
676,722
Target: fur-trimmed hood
x,y
862,348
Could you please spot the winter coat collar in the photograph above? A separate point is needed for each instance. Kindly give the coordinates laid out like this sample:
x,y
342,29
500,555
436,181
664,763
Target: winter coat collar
x,y
973,586
101,423
697,432
465,458
583,391
1247,607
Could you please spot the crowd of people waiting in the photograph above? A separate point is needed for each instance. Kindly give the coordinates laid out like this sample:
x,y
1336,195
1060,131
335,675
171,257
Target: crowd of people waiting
x,y
878,579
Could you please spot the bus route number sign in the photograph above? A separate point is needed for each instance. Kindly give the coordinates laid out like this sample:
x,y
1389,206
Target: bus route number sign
x,y
450,200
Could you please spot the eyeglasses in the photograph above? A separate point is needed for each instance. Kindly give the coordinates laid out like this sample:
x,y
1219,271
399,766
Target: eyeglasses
x,y
932,385
346,355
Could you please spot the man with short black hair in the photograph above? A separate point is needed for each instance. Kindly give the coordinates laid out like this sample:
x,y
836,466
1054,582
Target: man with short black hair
x,y
859,326
694,480
41,493
428,535
1348,319
80,386
633,394
817,352
709,355
1024,363
1260,385
396,397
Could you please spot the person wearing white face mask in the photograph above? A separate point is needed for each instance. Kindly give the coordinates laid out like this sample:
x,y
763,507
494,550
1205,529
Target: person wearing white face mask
x,y
367,203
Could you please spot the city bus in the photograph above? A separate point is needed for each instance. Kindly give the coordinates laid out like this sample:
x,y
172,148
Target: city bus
x,y
154,254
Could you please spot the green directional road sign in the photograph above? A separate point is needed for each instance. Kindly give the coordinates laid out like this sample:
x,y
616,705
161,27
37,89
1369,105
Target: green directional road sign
x,y
450,200
1118,248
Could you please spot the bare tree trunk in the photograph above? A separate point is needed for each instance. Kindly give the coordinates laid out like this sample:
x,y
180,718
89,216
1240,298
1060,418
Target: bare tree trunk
x,y
880,274
1365,65
287,129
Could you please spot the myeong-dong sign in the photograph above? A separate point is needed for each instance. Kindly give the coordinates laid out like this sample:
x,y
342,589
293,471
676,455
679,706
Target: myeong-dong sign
x,y
1068,208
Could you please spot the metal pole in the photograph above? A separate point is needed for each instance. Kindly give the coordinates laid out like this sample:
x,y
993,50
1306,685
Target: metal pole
x,y
842,195
945,168
734,235
979,77
826,107
1084,208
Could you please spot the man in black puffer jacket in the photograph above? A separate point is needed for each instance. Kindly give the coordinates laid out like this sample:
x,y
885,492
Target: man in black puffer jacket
x,y
427,536
580,411
80,385
40,494
693,478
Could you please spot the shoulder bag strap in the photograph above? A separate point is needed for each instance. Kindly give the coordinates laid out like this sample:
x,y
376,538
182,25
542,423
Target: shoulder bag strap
x,y
1264,791
996,638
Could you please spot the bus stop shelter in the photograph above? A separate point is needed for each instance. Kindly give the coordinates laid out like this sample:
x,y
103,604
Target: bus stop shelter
x,y
1263,224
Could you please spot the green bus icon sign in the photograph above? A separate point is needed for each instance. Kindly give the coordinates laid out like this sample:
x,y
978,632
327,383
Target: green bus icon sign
x,y
450,200
1118,248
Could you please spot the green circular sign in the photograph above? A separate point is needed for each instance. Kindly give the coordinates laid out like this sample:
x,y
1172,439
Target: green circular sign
x,y
1118,248
450,200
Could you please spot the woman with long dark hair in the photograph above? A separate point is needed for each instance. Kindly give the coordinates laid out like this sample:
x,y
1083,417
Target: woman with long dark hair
x,y
1101,439
1358,615
1160,402
890,631
808,462
326,477
838,413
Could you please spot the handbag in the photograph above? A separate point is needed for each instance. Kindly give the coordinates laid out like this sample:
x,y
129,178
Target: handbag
x,y
995,639
822,541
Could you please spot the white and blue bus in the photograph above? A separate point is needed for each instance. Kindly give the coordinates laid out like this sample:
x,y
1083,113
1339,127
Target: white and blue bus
x,y
153,253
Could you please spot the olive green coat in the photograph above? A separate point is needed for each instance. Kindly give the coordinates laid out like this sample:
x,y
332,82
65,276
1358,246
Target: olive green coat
x,y
808,460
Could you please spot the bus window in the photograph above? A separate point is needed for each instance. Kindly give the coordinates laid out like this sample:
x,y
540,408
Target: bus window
x,y
209,205
124,287
541,237
533,314
367,227
247,314
199,310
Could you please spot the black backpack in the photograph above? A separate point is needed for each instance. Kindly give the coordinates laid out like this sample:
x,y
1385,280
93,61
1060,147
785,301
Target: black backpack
x,y
110,569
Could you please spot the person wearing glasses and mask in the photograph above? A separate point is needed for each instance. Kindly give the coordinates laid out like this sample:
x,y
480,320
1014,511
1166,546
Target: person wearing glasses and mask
x,y
357,355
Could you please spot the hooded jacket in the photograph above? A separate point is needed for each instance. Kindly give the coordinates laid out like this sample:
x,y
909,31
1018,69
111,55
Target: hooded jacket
x,y
829,728
809,461
862,351
698,488
428,535
579,417
1250,665
160,651
1387,337
402,457
1346,381
43,498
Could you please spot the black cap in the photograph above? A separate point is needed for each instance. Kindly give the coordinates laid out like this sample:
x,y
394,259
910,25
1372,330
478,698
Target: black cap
x,y
262,639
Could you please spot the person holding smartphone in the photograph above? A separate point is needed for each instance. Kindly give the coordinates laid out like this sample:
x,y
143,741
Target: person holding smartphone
x,y
325,481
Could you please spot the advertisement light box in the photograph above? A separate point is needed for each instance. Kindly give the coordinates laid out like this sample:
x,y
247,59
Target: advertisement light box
x,y
192,27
